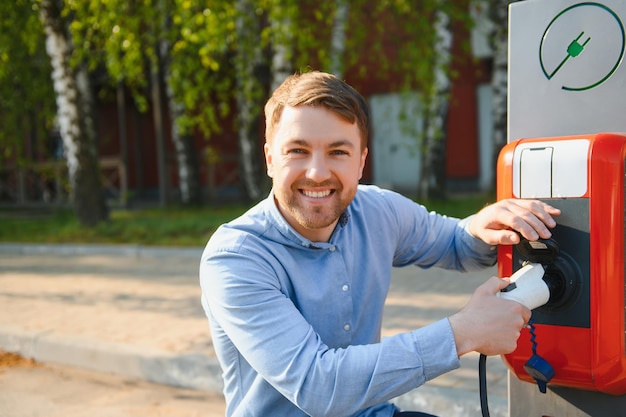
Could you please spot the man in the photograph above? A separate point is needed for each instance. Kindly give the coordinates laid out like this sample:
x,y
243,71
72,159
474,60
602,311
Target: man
x,y
294,289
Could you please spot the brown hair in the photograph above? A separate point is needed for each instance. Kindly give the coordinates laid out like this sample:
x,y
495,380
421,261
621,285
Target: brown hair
x,y
318,89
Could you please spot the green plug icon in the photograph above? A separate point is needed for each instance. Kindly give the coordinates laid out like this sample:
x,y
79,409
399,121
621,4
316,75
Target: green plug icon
x,y
573,50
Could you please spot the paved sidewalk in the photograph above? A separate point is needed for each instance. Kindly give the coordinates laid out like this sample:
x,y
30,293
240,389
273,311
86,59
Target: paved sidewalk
x,y
136,311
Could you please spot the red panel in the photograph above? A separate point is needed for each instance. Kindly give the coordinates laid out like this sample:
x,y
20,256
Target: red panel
x,y
594,358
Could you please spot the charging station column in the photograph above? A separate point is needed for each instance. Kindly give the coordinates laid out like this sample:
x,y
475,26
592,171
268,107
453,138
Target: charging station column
x,y
567,87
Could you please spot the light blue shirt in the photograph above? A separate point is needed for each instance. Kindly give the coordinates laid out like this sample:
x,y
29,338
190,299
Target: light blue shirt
x,y
296,324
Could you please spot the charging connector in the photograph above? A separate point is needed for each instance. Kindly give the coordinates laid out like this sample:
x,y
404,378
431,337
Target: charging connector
x,y
527,287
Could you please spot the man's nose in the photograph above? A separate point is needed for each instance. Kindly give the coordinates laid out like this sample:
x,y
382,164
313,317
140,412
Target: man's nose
x,y
318,169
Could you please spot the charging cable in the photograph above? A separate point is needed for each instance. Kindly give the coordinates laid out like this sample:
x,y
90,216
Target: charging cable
x,y
482,384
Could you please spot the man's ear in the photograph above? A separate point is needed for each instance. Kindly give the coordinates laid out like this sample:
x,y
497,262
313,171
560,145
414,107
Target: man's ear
x,y
363,159
268,159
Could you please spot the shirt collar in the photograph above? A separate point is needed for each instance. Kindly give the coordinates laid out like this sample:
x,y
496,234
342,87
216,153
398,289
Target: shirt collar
x,y
291,234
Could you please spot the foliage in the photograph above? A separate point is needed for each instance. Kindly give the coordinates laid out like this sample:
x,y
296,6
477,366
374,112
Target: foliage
x,y
199,75
27,106
112,35
191,38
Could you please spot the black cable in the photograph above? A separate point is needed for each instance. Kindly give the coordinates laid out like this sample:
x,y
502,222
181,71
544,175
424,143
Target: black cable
x,y
482,382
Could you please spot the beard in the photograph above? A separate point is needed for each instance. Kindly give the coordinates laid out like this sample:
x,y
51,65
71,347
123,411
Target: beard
x,y
316,216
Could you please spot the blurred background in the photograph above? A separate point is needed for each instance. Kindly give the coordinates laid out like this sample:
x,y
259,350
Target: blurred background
x,y
140,123
118,116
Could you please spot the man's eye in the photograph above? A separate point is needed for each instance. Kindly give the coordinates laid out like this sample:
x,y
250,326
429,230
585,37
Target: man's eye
x,y
339,152
296,151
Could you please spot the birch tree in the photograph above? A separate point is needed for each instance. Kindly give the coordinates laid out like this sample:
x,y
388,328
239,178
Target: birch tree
x,y
432,178
423,38
281,35
126,38
338,38
499,12
180,47
75,117
249,61
199,85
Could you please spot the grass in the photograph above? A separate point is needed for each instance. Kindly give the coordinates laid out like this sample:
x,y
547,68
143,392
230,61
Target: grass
x,y
460,206
157,227
154,227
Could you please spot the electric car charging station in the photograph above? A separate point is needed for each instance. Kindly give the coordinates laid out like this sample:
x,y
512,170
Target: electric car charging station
x,y
567,146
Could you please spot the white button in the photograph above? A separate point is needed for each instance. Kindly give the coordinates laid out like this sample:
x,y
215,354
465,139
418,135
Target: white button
x,y
346,327
345,287
332,248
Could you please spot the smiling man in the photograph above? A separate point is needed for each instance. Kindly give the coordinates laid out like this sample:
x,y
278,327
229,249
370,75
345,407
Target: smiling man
x,y
295,288
316,160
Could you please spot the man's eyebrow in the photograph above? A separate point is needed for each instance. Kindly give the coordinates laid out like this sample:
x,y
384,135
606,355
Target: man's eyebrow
x,y
336,144
341,143
299,142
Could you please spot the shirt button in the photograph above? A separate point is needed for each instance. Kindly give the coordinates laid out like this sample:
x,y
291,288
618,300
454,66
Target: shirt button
x,y
346,327
345,287
332,248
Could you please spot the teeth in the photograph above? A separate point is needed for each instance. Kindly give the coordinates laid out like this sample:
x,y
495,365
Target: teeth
x,y
316,194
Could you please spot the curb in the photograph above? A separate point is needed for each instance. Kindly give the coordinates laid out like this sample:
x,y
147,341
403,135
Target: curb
x,y
197,371
194,371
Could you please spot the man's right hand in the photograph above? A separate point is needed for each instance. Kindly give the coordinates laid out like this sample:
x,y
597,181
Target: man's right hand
x,y
488,324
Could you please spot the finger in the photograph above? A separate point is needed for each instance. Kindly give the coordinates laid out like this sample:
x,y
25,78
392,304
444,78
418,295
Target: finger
x,y
529,231
536,214
494,284
536,206
540,219
531,227
512,214
502,237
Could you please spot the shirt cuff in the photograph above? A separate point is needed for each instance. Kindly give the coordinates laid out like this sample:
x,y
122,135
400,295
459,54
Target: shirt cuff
x,y
437,348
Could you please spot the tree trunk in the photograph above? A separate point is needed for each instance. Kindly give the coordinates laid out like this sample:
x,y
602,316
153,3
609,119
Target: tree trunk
x,y
186,155
432,182
156,88
499,12
282,49
187,161
121,127
75,118
249,94
338,38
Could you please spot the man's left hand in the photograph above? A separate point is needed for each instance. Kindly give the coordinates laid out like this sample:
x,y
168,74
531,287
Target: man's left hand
x,y
497,223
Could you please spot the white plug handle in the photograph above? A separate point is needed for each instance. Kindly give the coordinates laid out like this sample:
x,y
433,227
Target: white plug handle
x,y
527,287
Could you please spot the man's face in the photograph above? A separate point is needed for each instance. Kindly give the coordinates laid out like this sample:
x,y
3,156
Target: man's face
x,y
315,161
